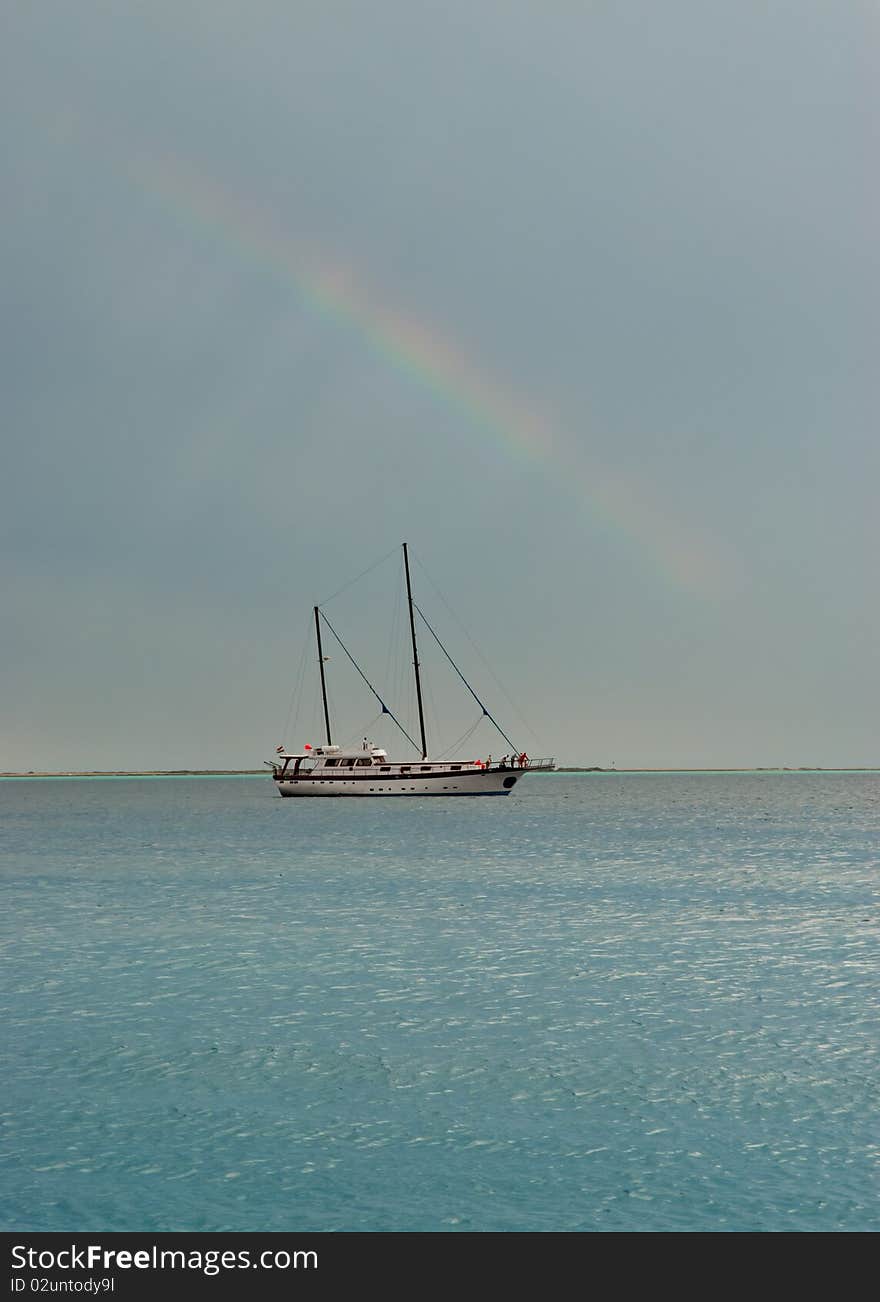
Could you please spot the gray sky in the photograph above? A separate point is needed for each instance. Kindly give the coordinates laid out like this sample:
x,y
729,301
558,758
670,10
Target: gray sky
x,y
578,298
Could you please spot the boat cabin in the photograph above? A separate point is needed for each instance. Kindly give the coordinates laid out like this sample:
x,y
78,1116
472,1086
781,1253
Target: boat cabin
x,y
330,757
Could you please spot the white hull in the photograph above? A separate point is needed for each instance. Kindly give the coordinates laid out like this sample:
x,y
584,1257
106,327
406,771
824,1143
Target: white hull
x,y
443,782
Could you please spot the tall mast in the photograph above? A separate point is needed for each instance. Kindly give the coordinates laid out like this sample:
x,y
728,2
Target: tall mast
x,y
412,629
321,666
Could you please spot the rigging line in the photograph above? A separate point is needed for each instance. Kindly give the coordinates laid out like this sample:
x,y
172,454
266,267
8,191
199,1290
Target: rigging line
x,y
462,739
385,709
316,719
351,582
363,731
393,637
296,693
463,679
488,665
401,684
432,704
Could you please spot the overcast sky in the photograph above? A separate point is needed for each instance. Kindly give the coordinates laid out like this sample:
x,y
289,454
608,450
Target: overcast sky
x,y
579,298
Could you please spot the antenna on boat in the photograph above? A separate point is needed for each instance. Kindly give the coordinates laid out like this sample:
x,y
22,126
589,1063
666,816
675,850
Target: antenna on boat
x,y
323,682
412,629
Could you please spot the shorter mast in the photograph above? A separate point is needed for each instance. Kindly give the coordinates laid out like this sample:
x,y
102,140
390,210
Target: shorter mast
x,y
321,667
412,629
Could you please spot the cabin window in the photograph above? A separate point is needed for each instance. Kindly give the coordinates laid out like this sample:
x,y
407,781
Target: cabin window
x,y
346,764
330,763
386,768
456,768
364,763
426,768
405,768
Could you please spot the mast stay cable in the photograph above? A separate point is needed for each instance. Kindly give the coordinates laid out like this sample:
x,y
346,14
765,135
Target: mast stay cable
x,y
360,576
477,650
385,709
462,677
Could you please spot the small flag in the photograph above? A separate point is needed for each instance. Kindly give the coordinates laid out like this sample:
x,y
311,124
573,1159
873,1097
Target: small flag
x,y
279,750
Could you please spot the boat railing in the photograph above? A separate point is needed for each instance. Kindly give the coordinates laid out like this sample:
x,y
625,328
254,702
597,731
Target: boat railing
x,y
544,762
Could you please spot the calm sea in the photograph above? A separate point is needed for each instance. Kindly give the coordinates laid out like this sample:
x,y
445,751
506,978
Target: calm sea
x,y
610,1002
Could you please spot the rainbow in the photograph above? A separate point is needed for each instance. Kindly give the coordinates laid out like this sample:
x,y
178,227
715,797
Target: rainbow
x,y
410,347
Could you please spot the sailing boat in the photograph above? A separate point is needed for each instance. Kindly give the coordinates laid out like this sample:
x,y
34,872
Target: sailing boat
x,y
331,770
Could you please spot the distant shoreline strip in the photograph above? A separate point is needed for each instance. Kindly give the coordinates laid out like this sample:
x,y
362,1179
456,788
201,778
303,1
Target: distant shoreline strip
x,y
259,773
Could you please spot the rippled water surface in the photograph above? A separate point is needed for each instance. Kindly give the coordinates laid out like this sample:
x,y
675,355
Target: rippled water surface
x,y
609,1002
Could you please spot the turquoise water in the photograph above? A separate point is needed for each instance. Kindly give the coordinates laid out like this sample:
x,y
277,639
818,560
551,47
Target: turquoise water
x,y
610,1002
